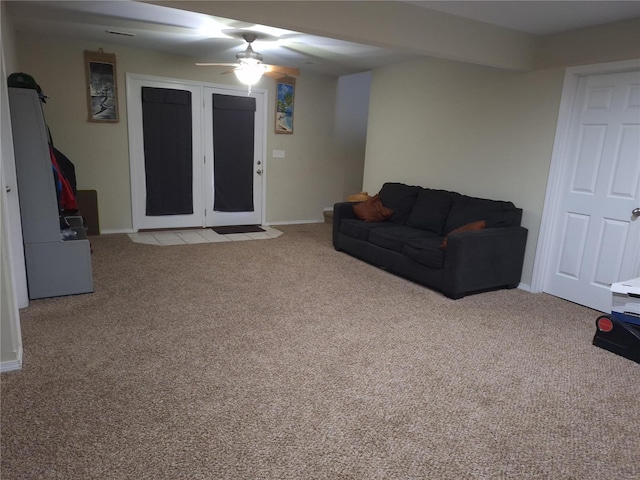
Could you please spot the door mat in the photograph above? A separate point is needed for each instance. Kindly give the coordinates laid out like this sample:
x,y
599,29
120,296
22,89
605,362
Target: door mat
x,y
237,229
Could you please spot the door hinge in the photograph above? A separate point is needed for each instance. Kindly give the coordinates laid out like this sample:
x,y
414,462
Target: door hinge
x,y
205,212
205,159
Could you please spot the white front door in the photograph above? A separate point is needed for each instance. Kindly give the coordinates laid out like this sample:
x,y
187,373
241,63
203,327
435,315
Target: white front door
x,y
216,216
202,184
142,218
595,236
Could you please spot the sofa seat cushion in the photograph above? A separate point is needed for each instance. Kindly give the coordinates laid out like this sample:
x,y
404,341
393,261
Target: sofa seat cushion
x,y
399,198
360,229
431,210
426,251
393,238
467,210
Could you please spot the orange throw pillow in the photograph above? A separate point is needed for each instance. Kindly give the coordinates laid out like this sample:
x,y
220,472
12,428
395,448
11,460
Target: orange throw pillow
x,y
372,210
479,225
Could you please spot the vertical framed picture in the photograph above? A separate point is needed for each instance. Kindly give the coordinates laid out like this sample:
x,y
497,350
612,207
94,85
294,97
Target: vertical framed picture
x,y
285,94
102,91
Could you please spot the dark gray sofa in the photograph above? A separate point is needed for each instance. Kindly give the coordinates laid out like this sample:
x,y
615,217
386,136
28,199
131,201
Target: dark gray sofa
x,y
409,243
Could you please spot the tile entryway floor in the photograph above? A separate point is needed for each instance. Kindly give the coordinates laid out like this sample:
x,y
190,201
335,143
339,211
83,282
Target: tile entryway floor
x,y
204,235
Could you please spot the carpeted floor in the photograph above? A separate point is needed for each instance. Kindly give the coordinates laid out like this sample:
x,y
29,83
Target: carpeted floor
x,y
283,359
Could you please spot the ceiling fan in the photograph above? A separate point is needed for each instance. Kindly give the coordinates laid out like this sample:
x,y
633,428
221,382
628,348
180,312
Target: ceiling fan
x,y
249,67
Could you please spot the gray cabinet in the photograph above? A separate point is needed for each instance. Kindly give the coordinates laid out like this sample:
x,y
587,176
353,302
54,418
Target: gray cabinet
x,y
54,266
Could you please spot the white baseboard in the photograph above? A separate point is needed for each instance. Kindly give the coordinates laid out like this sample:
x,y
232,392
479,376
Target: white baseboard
x,y
286,222
524,286
111,232
12,365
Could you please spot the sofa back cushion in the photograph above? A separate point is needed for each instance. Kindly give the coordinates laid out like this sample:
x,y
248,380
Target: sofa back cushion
x,y
496,213
431,210
399,198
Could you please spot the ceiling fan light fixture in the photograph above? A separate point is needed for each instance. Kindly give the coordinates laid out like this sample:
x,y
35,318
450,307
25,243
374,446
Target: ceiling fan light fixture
x,y
249,68
249,73
249,55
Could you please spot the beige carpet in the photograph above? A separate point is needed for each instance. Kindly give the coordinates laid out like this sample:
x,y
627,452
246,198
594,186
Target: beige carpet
x,y
283,359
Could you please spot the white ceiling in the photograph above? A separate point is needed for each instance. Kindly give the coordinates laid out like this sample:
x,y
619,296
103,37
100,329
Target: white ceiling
x,y
539,17
214,39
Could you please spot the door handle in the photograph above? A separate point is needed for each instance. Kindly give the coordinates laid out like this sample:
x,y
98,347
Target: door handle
x,y
635,212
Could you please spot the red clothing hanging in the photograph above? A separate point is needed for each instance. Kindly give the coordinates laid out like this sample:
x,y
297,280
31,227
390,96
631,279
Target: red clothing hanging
x,y
67,198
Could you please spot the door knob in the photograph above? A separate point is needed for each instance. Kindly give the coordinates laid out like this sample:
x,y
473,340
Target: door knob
x,y
259,172
635,212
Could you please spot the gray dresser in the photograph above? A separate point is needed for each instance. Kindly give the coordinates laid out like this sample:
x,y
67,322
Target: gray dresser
x,y
54,266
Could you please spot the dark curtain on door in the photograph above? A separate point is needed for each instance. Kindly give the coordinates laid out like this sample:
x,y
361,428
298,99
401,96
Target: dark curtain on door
x,y
168,151
233,136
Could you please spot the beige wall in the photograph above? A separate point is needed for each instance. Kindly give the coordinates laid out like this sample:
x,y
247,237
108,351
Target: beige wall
x,y
603,43
476,130
308,180
8,39
352,117
298,187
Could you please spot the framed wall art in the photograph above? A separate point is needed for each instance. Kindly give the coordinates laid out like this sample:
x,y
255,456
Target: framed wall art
x,y
285,93
102,91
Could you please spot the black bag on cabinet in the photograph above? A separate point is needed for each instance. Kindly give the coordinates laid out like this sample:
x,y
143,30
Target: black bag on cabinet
x,y
24,80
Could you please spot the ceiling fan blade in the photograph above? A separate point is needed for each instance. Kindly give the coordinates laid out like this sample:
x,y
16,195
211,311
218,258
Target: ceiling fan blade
x,y
217,64
273,70
276,75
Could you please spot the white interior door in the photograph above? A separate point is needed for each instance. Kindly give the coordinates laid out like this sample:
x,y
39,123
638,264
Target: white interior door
x,y
595,238
142,220
215,217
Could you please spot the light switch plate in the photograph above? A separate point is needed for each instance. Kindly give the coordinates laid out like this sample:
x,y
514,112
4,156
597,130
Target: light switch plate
x,y
277,154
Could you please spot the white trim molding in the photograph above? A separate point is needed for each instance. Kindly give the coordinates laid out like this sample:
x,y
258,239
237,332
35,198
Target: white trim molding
x,y
118,230
558,158
12,365
524,286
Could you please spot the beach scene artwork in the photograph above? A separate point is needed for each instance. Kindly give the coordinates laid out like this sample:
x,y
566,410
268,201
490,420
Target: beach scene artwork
x,y
284,107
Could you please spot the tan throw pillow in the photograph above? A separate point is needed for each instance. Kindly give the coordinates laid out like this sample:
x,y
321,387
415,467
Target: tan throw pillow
x,y
479,225
372,210
358,197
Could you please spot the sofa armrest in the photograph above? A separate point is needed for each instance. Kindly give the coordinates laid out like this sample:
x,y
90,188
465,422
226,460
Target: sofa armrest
x,y
484,259
341,210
